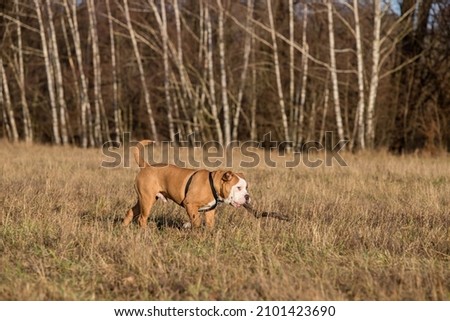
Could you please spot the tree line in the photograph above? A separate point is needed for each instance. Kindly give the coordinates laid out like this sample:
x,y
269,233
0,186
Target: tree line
x,y
374,72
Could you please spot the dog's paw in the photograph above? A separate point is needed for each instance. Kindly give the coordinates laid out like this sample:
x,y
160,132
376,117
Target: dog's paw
x,y
187,225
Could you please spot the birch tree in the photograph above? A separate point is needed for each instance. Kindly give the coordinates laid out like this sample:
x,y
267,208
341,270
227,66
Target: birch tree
x,y
333,71
324,111
301,113
49,74
85,106
210,66
360,64
53,48
374,79
98,98
27,127
162,22
253,133
6,99
247,50
223,77
186,86
118,128
4,119
141,71
292,67
276,62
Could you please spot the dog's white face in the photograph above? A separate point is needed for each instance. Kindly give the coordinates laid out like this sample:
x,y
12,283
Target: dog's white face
x,y
238,195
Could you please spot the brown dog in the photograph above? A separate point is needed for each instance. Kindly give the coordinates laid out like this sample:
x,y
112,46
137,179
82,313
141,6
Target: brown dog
x,y
195,190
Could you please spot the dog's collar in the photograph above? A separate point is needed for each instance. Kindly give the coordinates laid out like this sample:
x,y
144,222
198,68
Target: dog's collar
x,y
214,192
217,198
186,189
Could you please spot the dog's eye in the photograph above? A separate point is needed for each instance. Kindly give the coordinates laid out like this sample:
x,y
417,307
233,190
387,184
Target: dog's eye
x,y
239,188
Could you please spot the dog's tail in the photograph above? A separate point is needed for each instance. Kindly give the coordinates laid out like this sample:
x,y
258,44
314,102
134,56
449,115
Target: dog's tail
x,y
138,152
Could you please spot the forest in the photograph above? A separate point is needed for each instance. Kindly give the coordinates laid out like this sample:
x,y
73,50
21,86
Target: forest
x,y
375,73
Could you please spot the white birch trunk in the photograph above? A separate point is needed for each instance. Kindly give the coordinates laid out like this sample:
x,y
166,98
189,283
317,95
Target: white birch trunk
x,y
278,73
74,70
53,46
223,78
14,135
374,79
27,127
167,72
253,132
3,105
301,118
118,128
212,90
202,37
359,55
162,22
334,79
85,108
312,121
50,75
291,67
70,59
247,50
141,72
98,98
326,100
185,86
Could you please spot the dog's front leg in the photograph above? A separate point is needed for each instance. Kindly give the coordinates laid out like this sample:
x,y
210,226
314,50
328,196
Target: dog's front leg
x,y
210,218
194,215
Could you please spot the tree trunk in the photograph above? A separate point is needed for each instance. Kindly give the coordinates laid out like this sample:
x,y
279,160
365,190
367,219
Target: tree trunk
x,y
141,72
299,122
247,50
118,127
278,73
85,107
312,121
253,132
334,79
186,87
4,119
292,104
223,78
162,22
50,75
98,98
212,90
326,100
27,127
6,99
359,55
53,47
374,79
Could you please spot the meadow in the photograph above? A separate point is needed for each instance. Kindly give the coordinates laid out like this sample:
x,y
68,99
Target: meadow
x,y
377,229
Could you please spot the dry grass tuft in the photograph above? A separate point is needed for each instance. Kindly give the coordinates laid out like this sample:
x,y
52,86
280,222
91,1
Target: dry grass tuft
x,y
378,229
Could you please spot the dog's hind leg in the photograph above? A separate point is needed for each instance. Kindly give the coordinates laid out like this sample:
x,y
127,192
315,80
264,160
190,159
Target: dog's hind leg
x,y
132,214
146,202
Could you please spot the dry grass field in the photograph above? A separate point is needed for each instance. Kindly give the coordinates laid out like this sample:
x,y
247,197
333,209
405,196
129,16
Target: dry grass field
x,y
378,229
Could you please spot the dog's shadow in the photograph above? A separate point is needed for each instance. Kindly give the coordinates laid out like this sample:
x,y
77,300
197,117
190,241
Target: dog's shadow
x,y
165,220
161,220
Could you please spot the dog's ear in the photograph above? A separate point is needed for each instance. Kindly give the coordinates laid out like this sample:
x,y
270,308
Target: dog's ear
x,y
227,176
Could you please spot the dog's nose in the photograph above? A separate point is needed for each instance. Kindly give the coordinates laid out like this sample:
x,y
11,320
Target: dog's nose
x,y
247,197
